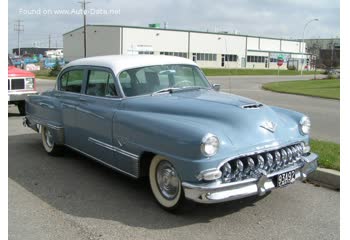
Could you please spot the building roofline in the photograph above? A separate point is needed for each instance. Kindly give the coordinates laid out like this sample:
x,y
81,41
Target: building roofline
x,y
182,30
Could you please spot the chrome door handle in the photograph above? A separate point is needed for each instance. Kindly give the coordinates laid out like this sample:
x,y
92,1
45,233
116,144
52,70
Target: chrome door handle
x,y
83,99
58,95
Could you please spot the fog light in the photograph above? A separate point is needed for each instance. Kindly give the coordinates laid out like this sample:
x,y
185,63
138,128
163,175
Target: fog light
x,y
306,148
209,175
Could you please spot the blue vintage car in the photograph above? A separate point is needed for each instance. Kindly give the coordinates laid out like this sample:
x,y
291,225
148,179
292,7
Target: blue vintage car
x,y
158,116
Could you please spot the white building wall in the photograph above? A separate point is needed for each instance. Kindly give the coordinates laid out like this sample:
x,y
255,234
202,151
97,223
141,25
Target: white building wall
x,y
253,43
290,46
99,41
73,47
102,40
218,44
269,44
105,40
154,40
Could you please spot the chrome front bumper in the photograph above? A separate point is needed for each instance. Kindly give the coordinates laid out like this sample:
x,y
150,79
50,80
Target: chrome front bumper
x,y
221,192
19,96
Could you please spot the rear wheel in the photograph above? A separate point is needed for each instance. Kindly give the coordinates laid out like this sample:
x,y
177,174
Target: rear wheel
x,y
48,142
166,184
22,108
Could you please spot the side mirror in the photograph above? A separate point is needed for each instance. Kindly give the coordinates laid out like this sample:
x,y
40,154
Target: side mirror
x,y
216,87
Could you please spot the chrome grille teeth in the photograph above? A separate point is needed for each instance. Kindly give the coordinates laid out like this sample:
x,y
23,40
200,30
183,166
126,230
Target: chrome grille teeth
x,y
284,156
269,161
253,166
294,154
289,155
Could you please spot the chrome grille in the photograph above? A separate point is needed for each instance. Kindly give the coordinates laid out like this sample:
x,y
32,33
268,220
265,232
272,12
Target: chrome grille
x,y
15,84
265,162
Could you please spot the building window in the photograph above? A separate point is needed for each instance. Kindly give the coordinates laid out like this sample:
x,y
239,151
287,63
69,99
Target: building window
x,y
256,59
231,58
146,52
205,56
177,54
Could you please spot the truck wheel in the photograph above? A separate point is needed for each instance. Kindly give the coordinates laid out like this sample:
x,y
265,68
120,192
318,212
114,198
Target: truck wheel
x,y
48,142
166,184
22,108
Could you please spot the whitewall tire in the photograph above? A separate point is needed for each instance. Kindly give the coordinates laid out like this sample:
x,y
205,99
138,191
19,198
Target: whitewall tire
x,y
165,184
48,142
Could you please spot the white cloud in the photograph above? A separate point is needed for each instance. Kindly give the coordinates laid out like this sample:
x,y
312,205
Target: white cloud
x,y
255,17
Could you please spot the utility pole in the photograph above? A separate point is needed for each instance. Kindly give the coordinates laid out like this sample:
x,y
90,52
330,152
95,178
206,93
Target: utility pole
x,y
83,6
18,28
49,41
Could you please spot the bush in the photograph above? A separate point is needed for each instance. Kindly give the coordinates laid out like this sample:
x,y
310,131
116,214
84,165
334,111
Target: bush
x,y
55,70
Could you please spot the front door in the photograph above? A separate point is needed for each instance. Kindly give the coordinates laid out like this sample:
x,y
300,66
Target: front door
x,y
222,60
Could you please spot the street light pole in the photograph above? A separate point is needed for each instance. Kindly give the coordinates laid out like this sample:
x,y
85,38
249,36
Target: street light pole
x,y
306,24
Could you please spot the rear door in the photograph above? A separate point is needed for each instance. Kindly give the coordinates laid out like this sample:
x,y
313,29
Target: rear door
x,y
69,92
97,107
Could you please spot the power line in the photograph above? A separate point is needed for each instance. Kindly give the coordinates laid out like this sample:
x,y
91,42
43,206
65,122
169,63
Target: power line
x,y
18,27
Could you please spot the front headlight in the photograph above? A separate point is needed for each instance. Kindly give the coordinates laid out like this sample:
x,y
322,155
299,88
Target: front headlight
x,y
305,125
29,83
210,145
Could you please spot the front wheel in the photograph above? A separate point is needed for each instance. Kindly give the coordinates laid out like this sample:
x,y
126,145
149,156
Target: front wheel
x,y
48,142
166,184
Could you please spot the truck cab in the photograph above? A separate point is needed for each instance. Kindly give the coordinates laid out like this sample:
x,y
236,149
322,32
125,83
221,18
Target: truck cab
x,y
20,84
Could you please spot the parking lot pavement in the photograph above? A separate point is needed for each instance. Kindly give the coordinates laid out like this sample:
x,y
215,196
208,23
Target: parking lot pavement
x,y
72,197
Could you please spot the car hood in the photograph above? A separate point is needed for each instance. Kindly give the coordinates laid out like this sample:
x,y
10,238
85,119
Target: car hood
x,y
243,121
16,72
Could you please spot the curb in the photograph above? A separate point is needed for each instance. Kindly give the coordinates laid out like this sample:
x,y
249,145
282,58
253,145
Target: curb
x,y
325,177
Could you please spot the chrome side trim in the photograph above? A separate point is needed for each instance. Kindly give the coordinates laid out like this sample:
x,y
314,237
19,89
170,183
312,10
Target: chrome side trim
x,y
102,162
113,148
54,127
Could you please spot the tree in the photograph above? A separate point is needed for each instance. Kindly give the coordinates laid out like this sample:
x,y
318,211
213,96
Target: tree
x,y
55,70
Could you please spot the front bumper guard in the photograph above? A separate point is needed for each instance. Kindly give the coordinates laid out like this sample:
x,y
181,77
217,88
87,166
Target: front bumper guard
x,y
221,192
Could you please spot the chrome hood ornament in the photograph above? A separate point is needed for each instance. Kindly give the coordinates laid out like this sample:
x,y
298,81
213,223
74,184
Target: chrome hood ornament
x,y
270,126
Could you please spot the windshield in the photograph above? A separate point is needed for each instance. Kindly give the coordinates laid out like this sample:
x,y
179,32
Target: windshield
x,y
151,79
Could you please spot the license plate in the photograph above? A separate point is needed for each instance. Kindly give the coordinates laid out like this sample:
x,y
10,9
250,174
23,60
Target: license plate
x,y
286,178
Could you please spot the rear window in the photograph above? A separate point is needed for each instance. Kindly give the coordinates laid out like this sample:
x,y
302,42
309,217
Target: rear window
x,y
71,81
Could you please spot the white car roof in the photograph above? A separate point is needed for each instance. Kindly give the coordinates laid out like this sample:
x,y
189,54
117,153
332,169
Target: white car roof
x,y
118,63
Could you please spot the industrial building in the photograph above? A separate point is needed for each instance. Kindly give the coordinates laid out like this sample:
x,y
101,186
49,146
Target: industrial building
x,y
208,49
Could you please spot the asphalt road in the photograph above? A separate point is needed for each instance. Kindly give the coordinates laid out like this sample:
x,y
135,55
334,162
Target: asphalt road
x,y
72,197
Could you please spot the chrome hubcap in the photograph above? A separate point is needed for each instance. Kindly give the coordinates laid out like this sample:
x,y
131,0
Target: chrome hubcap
x,y
49,138
167,180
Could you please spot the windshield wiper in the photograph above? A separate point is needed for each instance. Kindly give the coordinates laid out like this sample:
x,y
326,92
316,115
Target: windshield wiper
x,y
190,88
170,90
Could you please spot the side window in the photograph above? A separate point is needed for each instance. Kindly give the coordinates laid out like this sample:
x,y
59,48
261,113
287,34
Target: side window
x,y
71,81
101,83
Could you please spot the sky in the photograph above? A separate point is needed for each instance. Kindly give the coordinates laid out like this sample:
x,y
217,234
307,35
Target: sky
x,y
269,18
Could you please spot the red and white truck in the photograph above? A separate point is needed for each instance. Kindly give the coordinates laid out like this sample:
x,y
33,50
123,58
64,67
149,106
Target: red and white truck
x,y
20,84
